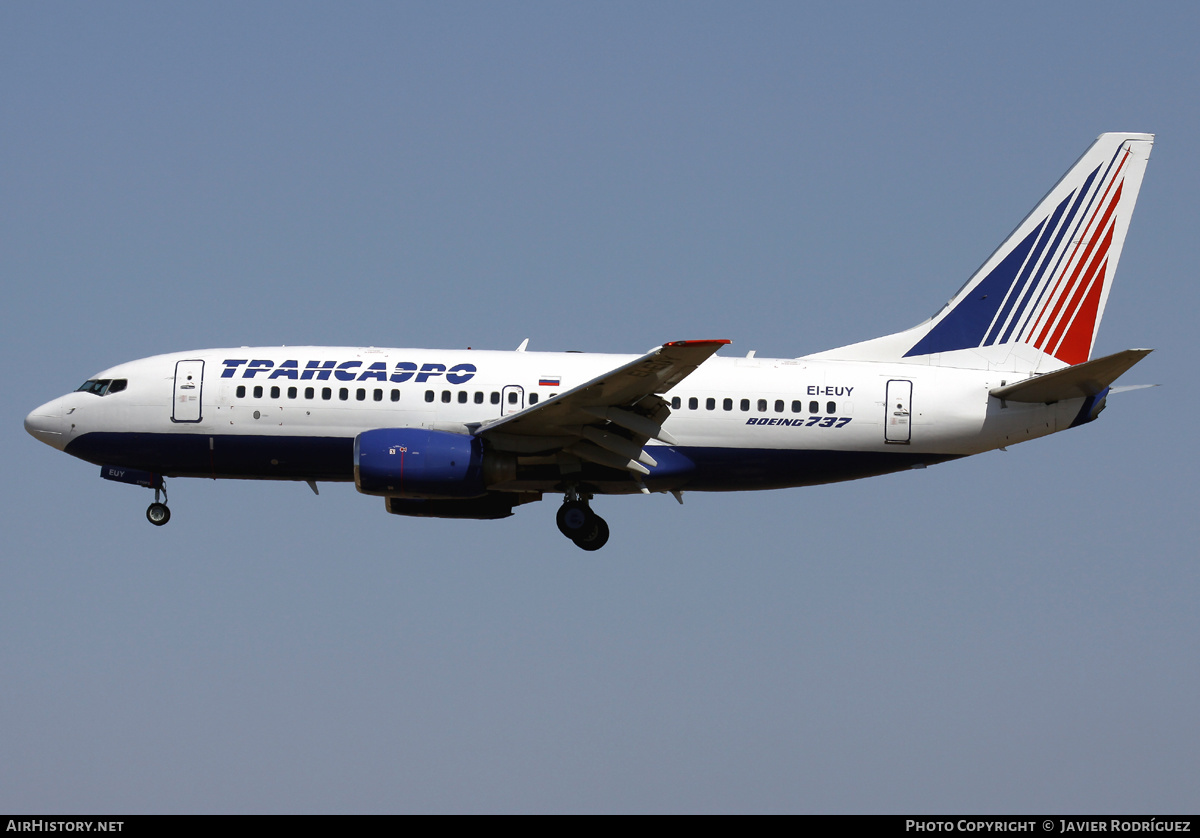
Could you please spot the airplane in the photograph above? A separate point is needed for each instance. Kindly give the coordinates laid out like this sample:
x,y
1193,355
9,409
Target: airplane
x,y
474,434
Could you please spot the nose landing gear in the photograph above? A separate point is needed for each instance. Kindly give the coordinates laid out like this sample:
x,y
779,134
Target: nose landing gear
x,y
158,513
578,522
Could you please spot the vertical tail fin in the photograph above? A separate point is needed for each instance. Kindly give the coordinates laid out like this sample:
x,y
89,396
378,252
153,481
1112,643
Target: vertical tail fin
x,y
1038,299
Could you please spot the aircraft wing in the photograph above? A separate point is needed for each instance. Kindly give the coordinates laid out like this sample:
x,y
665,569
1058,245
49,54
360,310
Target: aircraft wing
x,y
608,419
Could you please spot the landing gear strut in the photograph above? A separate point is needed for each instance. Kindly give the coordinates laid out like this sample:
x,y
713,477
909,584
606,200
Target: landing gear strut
x,y
158,513
578,522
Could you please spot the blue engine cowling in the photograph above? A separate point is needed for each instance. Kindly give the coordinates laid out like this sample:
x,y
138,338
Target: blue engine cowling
x,y
419,463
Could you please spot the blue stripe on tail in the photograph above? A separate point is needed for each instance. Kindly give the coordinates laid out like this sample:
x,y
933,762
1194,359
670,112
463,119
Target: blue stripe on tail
x,y
964,326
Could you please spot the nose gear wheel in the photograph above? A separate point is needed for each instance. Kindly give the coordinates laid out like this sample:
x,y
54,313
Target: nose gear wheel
x,y
158,514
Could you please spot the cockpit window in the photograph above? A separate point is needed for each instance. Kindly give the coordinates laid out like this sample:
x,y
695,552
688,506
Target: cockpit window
x,y
103,386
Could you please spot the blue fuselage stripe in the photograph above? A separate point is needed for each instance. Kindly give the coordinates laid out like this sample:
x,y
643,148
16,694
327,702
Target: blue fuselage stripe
x,y
332,459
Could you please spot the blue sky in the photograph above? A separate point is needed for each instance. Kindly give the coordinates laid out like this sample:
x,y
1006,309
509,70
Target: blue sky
x,y
1011,633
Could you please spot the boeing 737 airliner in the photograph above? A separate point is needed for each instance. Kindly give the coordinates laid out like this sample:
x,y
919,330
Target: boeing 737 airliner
x,y
474,434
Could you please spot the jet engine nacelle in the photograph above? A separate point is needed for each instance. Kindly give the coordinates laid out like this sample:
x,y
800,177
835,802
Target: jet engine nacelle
x,y
419,463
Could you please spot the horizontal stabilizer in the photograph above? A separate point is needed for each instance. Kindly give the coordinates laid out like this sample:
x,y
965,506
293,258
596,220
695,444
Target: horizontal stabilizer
x,y
1080,381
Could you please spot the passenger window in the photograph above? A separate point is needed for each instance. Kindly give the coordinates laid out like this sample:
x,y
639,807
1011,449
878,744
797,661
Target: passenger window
x,y
344,393
274,392
693,403
478,397
378,394
361,395
745,405
495,398
462,396
831,407
258,391
446,397
395,395
797,406
762,405
779,405
292,391
326,393
428,395
727,404
241,391
309,392
533,398
512,397
710,404
813,407
676,402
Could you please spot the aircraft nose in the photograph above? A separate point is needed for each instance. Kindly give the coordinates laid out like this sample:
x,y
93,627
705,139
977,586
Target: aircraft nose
x,y
45,423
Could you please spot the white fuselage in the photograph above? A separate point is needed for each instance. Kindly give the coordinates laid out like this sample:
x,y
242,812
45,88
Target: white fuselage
x,y
740,423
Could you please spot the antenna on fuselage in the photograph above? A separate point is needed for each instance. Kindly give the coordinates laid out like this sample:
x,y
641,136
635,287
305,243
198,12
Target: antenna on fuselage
x,y
524,343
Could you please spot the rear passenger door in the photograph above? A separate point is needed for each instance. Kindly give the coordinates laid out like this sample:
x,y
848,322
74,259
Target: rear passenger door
x,y
897,427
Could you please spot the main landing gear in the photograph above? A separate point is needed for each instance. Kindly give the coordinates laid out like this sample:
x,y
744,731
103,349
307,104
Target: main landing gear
x,y
158,513
578,522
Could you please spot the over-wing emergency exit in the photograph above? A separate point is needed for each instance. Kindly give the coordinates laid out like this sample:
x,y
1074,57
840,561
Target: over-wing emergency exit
x,y
475,434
